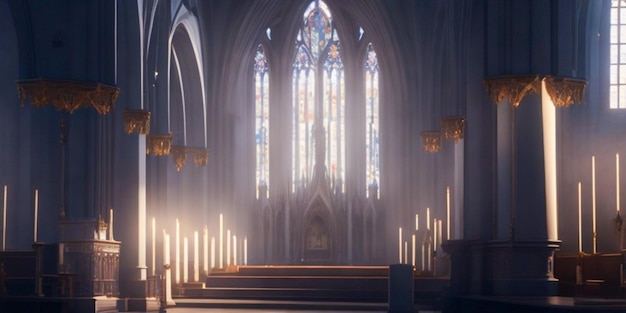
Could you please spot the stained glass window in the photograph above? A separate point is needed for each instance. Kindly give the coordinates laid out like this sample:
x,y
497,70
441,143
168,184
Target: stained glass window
x,y
318,98
617,79
371,113
261,118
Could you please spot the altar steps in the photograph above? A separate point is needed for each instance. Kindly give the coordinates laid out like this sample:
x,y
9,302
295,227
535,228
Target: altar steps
x,y
365,284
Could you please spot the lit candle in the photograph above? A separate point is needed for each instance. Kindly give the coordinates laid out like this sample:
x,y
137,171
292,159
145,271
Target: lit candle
x,y
153,246
196,258
245,251
617,180
413,250
212,252
448,213
234,250
228,247
417,222
427,218
400,245
580,220
205,237
185,260
177,261
36,214
440,228
221,235
4,220
593,201
111,224
406,252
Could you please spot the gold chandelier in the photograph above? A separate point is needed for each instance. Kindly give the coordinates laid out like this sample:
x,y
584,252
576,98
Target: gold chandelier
x,y
158,144
431,141
453,127
137,120
67,95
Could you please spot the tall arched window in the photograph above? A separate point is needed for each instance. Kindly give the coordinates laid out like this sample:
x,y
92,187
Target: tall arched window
x,y
318,99
261,90
617,79
371,115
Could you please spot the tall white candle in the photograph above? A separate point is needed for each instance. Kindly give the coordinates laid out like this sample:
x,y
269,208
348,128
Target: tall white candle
x,y
61,253
4,220
153,246
245,251
406,253
212,252
400,245
205,237
196,257
435,234
36,215
580,220
440,233
167,261
177,259
111,224
166,248
417,222
427,218
221,235
234,250
228,248
428,259
185,260
448,213
593,202
617,180
413,250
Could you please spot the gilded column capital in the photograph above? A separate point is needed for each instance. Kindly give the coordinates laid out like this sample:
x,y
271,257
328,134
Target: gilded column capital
x,y
158,144
453,127
431,141
179,154
136,120
513,87
565,91
200,156
67,95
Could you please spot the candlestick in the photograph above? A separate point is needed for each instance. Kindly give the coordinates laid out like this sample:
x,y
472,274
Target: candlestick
x,y
61,255
221,235
168,272
435,234
245,251
448,213
36,214
177,260
196,258
4,220
185,260
400,245
593,202
429,250
417,222
212,252
423,256
413,250
617,181
580,221
406,253
427,218
153,246
234,250
205,237
228,248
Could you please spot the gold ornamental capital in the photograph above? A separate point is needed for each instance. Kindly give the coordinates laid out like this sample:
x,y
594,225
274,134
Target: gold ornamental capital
x,y
513,88
137,120
431,141
200,156
158,144
67,95
565,91
179,153
453,127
